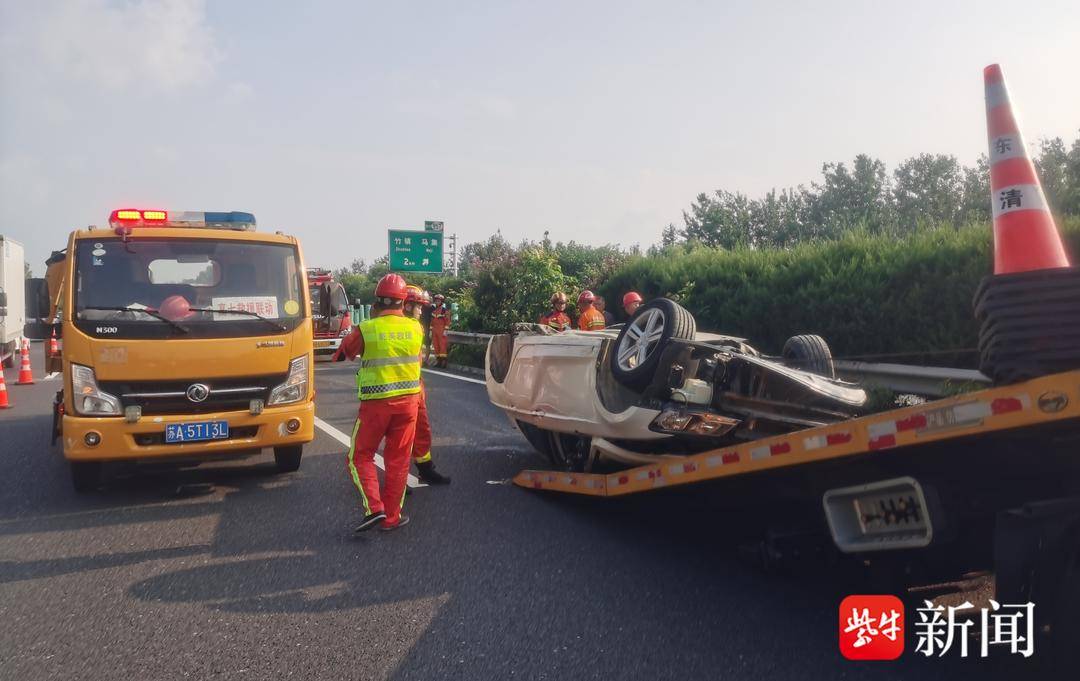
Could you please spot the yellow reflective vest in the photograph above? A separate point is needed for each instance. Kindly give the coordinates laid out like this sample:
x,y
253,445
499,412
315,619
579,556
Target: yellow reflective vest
x,y
390,364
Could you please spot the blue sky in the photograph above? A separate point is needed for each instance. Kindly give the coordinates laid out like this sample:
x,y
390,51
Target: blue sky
x,y
596,121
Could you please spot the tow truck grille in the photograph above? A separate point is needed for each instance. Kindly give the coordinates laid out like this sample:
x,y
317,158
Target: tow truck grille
x,y
170,397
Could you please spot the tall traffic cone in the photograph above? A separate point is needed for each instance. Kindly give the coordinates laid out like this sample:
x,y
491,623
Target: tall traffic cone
x,y
53,347
4,404
26,375
1025,237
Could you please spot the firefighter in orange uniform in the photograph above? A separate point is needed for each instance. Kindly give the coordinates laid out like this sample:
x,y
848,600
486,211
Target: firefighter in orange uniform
x,y
440,322
415,300
557,318
589,318
388,385
631,302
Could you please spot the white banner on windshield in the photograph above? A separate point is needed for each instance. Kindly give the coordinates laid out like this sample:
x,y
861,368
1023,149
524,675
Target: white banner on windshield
x,y
264,306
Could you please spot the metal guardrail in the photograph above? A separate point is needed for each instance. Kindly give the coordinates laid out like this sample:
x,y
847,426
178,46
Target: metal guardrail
x,y
467,338
902,378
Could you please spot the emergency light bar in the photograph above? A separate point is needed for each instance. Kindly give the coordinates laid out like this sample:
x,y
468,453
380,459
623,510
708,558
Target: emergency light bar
x,y
135,217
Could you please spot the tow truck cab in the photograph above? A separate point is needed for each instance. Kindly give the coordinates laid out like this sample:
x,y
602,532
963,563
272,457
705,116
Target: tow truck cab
x,y
187,337
329,311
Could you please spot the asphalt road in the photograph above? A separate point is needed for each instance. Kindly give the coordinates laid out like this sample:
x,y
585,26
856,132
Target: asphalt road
x,y
232,571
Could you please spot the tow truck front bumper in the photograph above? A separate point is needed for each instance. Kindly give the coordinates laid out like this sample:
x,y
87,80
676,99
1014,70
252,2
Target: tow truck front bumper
x,y
119,440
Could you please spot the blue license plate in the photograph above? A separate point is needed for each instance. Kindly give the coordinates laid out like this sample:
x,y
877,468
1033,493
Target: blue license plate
x,y
194,432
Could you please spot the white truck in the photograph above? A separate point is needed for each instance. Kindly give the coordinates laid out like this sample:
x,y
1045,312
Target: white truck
x,y
12,298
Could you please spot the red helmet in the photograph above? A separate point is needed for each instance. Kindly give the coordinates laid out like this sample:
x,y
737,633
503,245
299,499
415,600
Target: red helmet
x,y
414,294
175,308
438,296
586,297
391,286
631,297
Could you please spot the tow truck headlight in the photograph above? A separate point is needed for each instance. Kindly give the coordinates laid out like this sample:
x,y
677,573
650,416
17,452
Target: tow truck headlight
x,y
88,398
295,387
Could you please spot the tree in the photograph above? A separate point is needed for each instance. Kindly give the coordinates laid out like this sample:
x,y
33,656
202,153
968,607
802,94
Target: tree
x,y
975,193
928,188
852,198
515,288
724,221
670,236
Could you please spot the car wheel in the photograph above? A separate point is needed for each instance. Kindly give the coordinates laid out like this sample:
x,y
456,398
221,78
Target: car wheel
x,y
540,439
85,475
810,353
288,458
569,452
643,339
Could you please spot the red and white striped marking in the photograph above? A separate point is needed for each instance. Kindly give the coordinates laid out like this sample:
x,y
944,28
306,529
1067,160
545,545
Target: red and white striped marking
x,y
883,434
766,451
828,440
723,459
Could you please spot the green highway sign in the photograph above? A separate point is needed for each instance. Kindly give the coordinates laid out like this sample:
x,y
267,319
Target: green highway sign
x,y
433,225
414,251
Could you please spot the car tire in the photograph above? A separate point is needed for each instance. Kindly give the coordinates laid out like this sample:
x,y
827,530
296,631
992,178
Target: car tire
x,y
569,453
85,475
537,437
810,353
663,320
288,458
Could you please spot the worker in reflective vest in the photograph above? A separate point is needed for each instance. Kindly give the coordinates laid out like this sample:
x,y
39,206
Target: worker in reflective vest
x,y
388,385
415,300
440,322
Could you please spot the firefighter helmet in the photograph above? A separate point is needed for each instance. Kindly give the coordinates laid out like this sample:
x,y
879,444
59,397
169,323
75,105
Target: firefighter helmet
x,y
586,296
391,286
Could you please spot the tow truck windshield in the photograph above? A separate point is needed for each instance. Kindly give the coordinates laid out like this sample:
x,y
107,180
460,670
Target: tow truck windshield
x,y
200,288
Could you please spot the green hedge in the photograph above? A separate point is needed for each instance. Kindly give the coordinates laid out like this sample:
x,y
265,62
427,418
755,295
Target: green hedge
x,y
867,295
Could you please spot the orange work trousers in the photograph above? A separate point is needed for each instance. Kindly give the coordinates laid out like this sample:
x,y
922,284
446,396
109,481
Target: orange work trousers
x,y
392,419
439,344
421,449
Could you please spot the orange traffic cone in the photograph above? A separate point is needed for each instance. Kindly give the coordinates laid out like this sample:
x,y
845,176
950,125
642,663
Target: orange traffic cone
x,y
26,375
4,404
53,347
1025,237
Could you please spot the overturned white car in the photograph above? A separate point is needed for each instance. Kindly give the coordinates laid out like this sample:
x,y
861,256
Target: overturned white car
x,y
657,387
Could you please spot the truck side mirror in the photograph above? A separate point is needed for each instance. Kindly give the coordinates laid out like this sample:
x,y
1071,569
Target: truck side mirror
x,y
37,298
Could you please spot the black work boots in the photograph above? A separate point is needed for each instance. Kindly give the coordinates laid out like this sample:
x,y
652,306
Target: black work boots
x,y
427,474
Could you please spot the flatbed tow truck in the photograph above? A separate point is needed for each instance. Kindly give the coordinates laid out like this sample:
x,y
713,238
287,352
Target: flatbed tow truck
x,y
987,480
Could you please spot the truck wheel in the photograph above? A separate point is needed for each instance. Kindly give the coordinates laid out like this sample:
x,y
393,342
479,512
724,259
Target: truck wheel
x,y
85,475
642,340
810,353
288,458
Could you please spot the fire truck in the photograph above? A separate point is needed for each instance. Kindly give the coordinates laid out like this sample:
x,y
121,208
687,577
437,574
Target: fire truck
x,y
330,311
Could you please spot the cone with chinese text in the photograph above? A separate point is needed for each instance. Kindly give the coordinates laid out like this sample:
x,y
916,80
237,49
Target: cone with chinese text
x,y
4,403
53,347
26,375
1025,236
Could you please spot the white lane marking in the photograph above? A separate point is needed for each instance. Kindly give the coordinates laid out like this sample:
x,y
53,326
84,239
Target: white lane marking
x,y
344,439
51,376
460,378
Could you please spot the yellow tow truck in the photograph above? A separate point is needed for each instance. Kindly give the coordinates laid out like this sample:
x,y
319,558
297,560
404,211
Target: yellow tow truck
x,y
186,338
